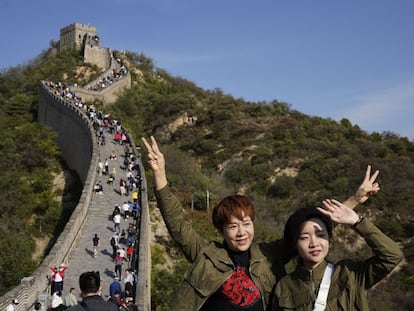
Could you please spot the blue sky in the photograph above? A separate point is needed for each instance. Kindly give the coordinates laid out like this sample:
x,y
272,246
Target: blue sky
x,y
340,59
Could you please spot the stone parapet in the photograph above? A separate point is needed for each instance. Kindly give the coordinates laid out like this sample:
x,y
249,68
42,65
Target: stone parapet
x,y
109,94
76,139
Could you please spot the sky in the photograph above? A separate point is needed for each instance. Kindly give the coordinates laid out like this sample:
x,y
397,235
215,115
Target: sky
x,y
333,59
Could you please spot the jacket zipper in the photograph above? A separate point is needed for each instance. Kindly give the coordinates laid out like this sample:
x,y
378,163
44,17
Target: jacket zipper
x,y
312,281
256,281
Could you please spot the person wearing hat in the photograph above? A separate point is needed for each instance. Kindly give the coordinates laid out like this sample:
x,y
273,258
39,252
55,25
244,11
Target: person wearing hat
x,y
318,284
13,305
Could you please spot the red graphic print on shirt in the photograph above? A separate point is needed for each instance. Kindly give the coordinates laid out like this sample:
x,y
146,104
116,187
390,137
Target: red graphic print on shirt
x,y
240,289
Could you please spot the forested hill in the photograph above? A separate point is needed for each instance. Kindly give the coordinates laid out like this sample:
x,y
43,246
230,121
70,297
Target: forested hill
x,y
280,157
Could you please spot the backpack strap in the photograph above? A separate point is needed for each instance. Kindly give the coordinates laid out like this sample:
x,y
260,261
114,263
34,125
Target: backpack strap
x,y
320,303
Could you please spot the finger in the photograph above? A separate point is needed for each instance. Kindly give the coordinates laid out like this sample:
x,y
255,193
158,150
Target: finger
x,y
336,202
374,176
328,204
375,188
154,144
323,211
146,144
367,172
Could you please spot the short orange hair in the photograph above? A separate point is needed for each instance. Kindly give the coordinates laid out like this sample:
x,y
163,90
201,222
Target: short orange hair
x,y
238,206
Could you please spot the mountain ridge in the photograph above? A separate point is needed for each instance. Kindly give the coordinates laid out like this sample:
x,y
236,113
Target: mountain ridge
x,y
281,158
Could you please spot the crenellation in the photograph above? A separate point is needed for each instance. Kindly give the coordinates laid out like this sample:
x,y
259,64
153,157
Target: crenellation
x,y
77,35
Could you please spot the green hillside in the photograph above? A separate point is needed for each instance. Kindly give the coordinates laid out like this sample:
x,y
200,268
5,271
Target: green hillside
x,y
280,157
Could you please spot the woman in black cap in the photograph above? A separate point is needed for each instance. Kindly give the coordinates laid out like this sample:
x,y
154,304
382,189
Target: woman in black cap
x,y
317,284
235,273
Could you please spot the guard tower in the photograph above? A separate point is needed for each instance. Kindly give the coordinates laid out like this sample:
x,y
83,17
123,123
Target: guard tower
x,y
78,35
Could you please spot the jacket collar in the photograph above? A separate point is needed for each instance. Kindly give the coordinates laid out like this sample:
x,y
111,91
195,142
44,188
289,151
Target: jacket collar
x,y
307,275
218,254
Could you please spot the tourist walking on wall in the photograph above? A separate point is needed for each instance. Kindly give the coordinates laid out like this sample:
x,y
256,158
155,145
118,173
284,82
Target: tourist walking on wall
x,y
129,284
119,261
95,243
130,251
126,210
122,187
117,222
106,167
114,241
115,286
135,209
100,167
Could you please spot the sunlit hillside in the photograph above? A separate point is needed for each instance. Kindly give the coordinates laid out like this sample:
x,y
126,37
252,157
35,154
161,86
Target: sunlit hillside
x,y
280,157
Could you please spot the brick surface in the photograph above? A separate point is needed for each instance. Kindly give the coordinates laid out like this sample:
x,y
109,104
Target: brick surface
x,y
99,221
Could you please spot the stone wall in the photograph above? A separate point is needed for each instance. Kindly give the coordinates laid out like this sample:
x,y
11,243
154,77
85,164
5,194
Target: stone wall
x,y
76,137
108,95
76,34
96,55
76,140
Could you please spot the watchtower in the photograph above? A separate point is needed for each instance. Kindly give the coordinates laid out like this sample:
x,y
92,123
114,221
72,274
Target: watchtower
x,y
78,35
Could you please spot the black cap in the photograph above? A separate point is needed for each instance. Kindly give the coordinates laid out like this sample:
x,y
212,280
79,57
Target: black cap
x,y
291,233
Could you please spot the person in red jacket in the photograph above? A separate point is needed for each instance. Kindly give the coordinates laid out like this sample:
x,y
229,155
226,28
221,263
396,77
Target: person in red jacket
x,y
58,277
130,251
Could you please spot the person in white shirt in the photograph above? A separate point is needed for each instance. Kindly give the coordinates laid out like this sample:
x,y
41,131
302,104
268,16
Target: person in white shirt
x,y
57,299
122,253
126,209
13,305
117,223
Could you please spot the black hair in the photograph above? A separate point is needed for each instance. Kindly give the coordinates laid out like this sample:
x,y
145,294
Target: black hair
x,y
89,282
292,227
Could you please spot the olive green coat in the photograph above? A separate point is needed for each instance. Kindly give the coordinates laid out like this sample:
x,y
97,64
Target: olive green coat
x,y
350,279
211,264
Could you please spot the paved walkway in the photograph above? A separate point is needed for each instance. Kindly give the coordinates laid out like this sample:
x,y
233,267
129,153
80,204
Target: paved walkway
x,y
100,222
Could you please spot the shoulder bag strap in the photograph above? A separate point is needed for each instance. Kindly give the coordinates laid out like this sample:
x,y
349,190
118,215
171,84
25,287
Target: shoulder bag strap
x,y
320,303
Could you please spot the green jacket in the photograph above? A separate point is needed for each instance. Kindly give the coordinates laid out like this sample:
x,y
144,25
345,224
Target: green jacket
x,y
350,278
211,264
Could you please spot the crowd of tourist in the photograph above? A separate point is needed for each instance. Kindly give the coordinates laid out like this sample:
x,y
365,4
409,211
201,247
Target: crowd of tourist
x,y
117,73
118,168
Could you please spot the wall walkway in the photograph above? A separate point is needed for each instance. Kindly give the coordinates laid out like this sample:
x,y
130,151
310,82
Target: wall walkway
x,y
76,138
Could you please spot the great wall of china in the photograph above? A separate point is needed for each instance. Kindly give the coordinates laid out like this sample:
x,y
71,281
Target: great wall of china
x,y
76,139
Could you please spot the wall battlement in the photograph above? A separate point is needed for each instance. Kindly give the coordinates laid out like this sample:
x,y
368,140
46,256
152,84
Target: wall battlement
x,y
84,37
77,35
